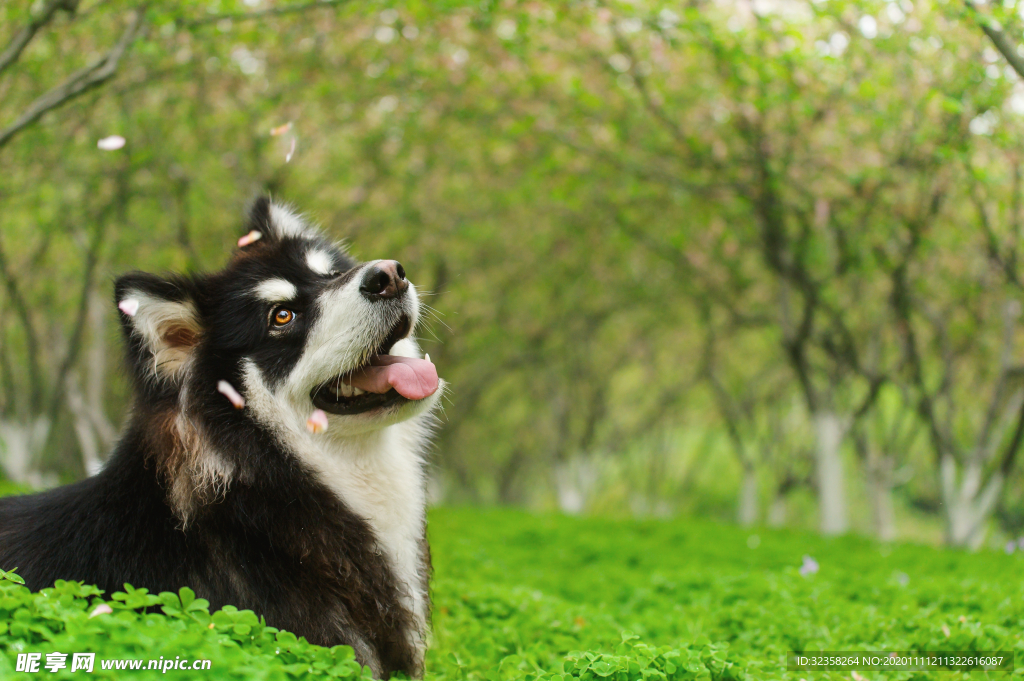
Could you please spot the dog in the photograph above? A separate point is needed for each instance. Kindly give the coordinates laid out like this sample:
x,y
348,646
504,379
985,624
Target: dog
x,y
273,458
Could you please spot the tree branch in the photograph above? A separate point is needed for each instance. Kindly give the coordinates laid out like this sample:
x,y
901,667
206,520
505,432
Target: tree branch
x,y
10,392
259,14
78,330
17,299
995,33
79,82
1007,263
652,107
23,37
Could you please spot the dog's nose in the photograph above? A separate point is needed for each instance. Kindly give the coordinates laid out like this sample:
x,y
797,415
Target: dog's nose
x,y
385,279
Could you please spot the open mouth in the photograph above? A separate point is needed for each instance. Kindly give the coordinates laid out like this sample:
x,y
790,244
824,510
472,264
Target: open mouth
x,y
332,399
384,380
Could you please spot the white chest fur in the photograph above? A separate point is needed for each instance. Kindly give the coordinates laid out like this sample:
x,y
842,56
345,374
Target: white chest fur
x,y
381,479
378,475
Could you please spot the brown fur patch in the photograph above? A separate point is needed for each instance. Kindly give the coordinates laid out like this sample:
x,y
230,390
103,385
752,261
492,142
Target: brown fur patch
x,y
194,472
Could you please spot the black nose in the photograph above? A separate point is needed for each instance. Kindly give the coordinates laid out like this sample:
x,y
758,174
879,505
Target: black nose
x,y
385,279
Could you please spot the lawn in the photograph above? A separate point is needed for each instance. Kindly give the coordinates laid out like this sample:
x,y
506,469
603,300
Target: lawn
x,y
519,595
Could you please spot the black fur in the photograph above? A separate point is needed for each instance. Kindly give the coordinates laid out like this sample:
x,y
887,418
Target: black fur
x,y
276,541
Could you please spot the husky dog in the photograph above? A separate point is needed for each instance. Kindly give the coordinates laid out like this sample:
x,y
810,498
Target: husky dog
x,y
273,458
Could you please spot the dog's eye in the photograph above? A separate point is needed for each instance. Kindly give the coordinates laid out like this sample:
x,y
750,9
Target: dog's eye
x,y
283,316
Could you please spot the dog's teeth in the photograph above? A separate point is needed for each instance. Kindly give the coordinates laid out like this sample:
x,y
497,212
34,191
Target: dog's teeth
x,y
346,390
356,392
427,356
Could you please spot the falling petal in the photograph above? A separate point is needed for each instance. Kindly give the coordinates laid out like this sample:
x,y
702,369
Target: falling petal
x,y
1011,546
945,630
281,129
809,567
129,306
291,152
228,390
249,238
317,421
111,143
101,609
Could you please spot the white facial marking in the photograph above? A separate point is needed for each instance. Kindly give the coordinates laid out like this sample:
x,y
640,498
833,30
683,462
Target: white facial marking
x,y
276,290
346,331
319,262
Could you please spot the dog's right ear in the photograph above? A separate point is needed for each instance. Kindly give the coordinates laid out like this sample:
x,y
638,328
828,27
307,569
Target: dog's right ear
x,y
269,223
160,322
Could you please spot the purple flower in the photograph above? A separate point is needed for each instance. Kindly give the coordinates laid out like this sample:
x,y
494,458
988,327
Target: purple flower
x,y
101,609
809,567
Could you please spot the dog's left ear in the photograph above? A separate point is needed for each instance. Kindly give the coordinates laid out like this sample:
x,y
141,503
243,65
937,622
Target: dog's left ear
x,y
161,323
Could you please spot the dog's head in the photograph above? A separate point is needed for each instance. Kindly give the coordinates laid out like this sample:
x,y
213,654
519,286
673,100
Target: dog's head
x,y
293,333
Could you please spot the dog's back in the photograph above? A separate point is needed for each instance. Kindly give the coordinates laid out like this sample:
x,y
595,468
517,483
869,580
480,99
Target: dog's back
x,y
106,530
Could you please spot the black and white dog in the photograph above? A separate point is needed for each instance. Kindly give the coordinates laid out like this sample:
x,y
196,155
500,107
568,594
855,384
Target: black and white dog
x,y
273,459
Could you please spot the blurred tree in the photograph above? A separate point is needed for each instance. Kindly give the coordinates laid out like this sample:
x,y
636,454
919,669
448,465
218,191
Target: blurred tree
x,y
673,254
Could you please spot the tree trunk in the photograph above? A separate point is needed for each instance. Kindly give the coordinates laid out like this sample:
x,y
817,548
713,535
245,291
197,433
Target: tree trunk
x,y
747,511
777,511
96,373
19,445
574,481
967,504
88,442
879,481
828,435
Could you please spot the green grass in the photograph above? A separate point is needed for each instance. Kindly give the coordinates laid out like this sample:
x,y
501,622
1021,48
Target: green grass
x,y
523,596
8,488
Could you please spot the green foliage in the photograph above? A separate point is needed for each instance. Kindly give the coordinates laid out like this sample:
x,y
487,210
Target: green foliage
x,y
516,594
8,488
519,596
592,198
239,644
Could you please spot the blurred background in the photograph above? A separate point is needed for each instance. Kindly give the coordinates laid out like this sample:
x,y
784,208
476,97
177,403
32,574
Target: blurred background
x,y
756,261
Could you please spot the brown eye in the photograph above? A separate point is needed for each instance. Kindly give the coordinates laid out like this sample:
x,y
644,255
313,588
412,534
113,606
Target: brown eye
x,y
283,317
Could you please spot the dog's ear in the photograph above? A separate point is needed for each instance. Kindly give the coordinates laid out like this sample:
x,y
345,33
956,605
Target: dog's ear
x,y
160,322
269,223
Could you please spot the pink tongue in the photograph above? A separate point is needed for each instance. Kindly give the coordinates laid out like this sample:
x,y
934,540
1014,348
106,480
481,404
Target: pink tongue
x,y
413,378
